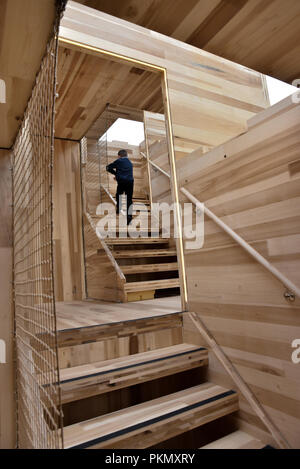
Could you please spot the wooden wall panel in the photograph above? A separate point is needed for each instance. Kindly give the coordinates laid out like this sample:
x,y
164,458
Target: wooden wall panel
x,y
7,397
68,250
252,184
211,98
25,28
239,30
157,150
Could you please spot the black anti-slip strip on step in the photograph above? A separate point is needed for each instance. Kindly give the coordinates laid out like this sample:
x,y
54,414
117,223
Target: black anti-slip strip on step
x,y
155,360
110,436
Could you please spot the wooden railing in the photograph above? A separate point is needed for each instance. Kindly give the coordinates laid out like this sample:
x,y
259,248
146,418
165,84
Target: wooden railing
x,y
106,249
209,338
109,194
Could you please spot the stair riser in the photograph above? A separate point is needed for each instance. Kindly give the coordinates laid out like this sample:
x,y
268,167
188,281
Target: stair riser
x,y
92,344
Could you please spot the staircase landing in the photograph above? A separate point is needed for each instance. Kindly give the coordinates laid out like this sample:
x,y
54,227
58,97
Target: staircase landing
x,y
79,314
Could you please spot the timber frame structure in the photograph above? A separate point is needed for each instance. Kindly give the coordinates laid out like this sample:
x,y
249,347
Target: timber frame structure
x,y
146,342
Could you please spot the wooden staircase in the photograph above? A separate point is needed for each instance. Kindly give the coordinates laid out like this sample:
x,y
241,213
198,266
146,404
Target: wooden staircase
x,y
149,264
152,391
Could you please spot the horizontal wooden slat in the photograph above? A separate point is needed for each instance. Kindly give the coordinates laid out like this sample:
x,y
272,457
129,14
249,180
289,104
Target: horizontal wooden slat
x,y
145,253
134,241
152,285
141,268
236,440
145,424
96,378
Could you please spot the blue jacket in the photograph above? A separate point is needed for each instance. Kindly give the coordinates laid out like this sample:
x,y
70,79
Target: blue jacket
x,y
122,169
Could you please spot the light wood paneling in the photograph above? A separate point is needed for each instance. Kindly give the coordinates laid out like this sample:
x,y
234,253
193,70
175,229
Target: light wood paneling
x,y
146,424
158,153
87,84
260,34
250,183
25,27
7,398
211,98
92,313
68,247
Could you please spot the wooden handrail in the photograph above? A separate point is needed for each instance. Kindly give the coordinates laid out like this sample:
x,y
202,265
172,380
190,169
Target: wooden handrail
x,y
238,380
255,254
156,166
293,290
108,193
106,249
217,350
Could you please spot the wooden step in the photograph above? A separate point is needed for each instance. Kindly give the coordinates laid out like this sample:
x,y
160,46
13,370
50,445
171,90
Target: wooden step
x,y
145,253
97,378
146,424
152,285
236,440
145,268
133,241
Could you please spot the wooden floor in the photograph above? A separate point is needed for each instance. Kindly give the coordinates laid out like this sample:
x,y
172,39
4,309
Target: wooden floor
x,y
75,314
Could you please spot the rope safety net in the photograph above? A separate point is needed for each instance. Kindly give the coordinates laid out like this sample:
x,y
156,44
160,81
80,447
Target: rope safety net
x,y
39,415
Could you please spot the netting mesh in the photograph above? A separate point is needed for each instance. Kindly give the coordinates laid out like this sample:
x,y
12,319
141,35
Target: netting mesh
x,y
97,182
39,417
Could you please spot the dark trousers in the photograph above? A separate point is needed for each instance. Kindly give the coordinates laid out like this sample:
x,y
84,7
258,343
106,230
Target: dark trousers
x,y
125,187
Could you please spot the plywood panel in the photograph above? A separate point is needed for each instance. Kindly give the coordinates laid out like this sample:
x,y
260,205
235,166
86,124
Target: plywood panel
x,y
88,85
25,29
211,98
248,182
7,398
68,248
239,30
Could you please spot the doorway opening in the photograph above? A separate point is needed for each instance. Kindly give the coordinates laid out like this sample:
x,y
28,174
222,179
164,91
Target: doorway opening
x,y
102,100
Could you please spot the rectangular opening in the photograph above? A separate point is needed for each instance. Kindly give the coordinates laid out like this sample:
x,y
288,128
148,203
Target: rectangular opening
x,y
97,91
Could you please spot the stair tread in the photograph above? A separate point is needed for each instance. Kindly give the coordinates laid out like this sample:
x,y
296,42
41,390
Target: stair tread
x,y
152,284
141,268
108,366
159,412
132,241
145,253
236,440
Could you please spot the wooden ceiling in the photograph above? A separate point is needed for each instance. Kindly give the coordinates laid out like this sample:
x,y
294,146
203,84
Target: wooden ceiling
x,y
261,34
25,26
87,83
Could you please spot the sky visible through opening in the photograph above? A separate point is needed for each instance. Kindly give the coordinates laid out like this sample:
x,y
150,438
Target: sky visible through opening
x,y
132,132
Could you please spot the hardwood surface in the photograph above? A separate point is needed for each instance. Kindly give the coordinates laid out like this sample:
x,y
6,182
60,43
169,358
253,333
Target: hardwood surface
x,y
249,32
87,84
236,440
25,28
255,190
157,151
83,345
7,410
211,98
97,378
143,425
77,314
67,223
242,31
